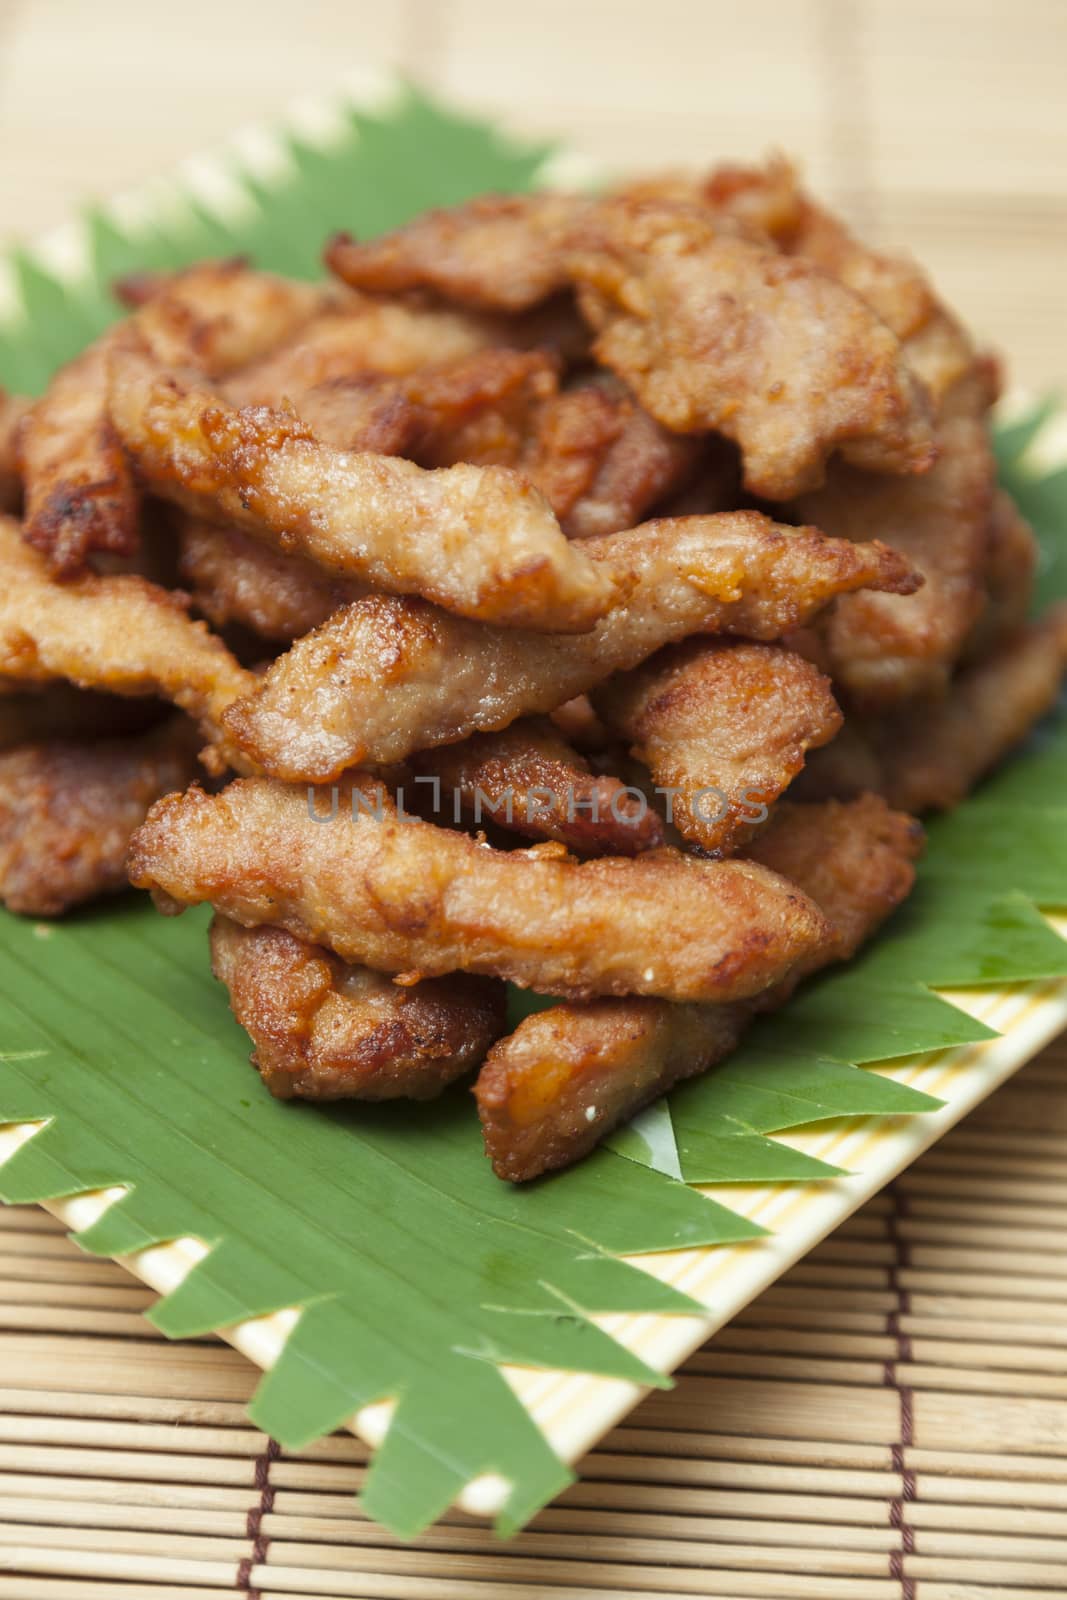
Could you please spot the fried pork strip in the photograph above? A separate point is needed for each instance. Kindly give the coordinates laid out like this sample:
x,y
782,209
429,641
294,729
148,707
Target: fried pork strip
x,y
388,676
769,201
884,649
711,330
477,540
406,896
569,1075
13,407
325,1030
930,756
496,253
80,491
717,332
119,633
725,726
528,780
80,495
233,578
630,467
68,809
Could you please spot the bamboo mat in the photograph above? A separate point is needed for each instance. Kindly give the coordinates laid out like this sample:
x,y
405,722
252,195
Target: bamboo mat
x,y
890,1420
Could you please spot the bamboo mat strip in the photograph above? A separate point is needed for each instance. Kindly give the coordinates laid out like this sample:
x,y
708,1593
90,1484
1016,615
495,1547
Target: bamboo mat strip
x,y
889,1422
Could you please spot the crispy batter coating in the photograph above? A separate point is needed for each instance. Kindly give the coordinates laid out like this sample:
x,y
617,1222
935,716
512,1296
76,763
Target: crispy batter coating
x,y
13,407
119,633
233,578
325,1030
79,488
724,724
567,1076
496,253
388,676
529,780
640,464
477,540
366,337
769,200
80,491
929,757
68,809
713,331
34,713
406,896
880,648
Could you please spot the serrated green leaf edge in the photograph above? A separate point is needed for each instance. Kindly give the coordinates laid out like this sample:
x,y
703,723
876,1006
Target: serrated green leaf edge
x,y
418,1272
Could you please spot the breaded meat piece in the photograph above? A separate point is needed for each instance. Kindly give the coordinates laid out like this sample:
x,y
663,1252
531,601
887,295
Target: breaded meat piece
x,y
496,253
68,809
218,316
569,1075
711,330
233,578
80,495
930,756
119,633
641,464
388,676
479,540
13,407
714,332
769,200
325,1030
406,896
884,649
724,727
529,780
80,491
353,340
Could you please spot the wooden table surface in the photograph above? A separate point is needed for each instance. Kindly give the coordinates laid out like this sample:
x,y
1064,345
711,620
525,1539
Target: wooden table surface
x,y
939,125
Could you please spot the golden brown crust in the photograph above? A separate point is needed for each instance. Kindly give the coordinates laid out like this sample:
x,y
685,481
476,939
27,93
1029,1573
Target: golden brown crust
x,y
496,253
360,338
714,331
567,1076
80,491
725,727
324,1030
68,809
233,578
633,465
389,676
477,540
855,860
770,201
929,757
406,896
79,487
118,633
528,780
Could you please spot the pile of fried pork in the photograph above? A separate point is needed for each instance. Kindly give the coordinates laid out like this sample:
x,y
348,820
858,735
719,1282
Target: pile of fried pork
x,y
465,619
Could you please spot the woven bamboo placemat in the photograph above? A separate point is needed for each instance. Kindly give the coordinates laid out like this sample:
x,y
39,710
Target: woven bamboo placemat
x,y
890,1420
